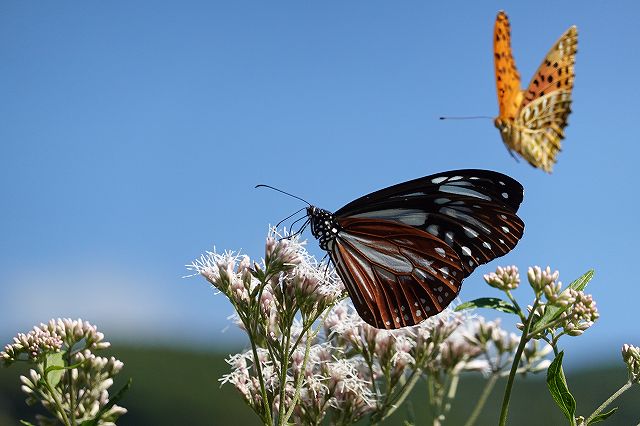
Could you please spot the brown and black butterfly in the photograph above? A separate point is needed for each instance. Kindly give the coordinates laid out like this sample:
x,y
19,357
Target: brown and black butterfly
x,y
402,252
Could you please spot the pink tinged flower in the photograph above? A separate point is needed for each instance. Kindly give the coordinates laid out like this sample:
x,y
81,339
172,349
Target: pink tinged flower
x,y
282,251
385,344
266,300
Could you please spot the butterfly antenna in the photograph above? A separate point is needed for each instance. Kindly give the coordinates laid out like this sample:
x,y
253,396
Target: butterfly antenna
x,y
304,225
296,233
280,190
469,117
289,217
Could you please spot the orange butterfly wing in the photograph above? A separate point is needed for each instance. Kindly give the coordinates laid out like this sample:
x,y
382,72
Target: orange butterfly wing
x,y
556,71
507,76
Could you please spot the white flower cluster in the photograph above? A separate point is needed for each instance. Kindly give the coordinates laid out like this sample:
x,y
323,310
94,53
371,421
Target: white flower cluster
x,y
78,387
313,359
287,279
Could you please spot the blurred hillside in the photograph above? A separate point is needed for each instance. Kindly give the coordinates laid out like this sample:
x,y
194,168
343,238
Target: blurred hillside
x,y
171,387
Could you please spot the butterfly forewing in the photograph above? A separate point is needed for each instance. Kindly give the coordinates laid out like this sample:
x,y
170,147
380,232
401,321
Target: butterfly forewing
x,y
507,76
396,275
472,211
402,252
556,71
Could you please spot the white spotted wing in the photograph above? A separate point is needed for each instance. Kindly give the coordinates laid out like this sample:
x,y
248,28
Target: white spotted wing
x,y
471,211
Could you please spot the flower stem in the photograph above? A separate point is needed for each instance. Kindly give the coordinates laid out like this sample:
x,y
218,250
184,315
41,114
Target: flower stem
x,y
303,368
612,398
515,304
54,395
404,392
451,393
284,366
514,366
488,387
72,393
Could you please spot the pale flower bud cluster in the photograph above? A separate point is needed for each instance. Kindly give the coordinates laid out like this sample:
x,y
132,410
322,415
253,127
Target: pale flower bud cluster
x,y
555,296
81,390
581,315
498,347
505,278
631,357
34,345
539,278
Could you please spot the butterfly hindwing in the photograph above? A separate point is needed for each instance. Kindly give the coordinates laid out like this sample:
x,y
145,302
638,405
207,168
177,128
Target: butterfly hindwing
x,y
541,128
396,275
472,211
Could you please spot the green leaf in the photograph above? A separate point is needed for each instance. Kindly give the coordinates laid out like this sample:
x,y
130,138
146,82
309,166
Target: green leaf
x,y
602,417
26,423
55,367
112,401
557,385
488,302
553,312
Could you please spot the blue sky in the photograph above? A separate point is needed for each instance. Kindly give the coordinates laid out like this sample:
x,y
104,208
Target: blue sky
x,y
132,135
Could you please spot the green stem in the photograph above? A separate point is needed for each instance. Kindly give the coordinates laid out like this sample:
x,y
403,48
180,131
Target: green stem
x,y
488,387
515,304
252,329
303,368
284,366
451,394
54,395
612,398
263,390
72,394
514,366
402,395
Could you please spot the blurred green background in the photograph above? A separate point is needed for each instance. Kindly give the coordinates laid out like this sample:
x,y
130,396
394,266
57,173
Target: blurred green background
x,y
172,387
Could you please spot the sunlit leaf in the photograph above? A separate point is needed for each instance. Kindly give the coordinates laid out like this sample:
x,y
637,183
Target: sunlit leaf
x,y
557,384
54,367
488,302
601,417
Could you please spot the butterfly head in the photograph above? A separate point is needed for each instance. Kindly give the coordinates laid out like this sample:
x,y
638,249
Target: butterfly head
x,y
500,124
324,226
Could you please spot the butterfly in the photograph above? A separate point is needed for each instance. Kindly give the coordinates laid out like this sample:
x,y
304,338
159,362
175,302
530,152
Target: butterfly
x,y
403,251
532,121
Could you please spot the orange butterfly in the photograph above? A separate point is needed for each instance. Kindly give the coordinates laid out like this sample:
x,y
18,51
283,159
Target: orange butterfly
x,y
532,121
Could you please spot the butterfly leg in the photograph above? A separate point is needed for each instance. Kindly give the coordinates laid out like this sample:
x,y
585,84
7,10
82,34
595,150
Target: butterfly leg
x,y
510,151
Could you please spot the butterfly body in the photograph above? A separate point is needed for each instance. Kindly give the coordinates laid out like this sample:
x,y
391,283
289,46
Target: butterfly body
x,y
402,252
324,226
532,121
